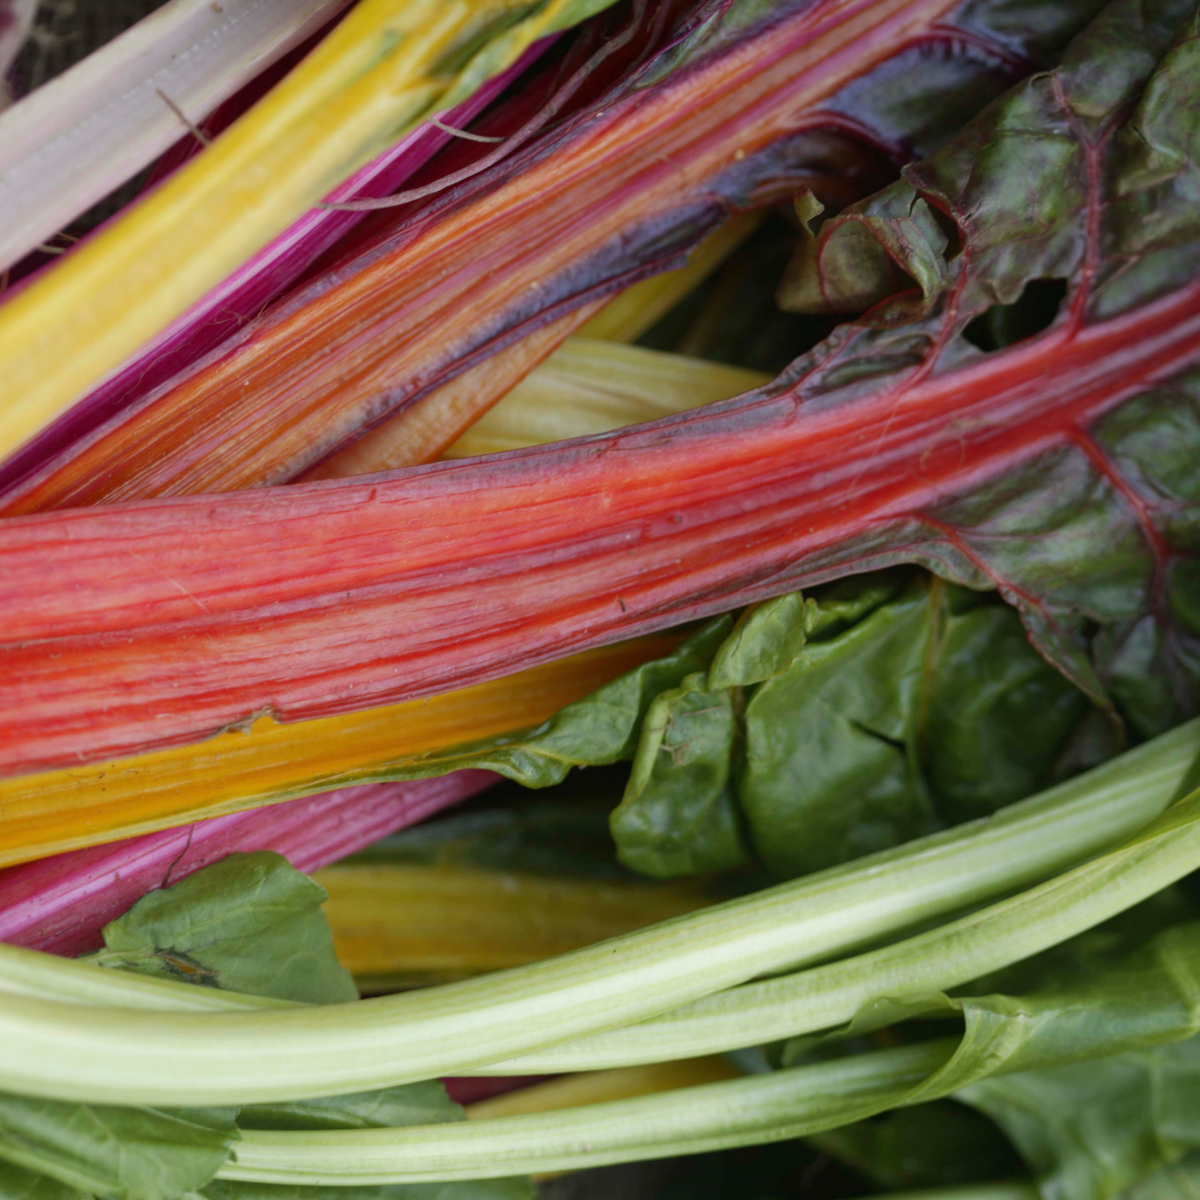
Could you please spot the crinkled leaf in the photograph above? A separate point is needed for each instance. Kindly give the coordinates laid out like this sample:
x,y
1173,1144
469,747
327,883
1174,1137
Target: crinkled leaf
x,y
898,246
1019,179
830,772
996,719
678,815
599,729
127,1153
1093,537
249,923
766,640
847,722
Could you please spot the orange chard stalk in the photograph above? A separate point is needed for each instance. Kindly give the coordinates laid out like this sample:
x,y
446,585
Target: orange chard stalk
x,y
267,762
624,188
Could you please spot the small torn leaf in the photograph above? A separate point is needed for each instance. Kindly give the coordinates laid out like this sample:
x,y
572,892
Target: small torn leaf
x,y
249,923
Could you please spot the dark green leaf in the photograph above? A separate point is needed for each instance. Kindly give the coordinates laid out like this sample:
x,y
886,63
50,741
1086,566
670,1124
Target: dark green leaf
x,y
249,923
1087,174
830,772
996,715
766,641
19,1184
929,1145
881,707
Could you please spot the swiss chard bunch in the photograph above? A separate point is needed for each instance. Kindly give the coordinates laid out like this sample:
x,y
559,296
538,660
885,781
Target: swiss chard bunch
x,y
986,479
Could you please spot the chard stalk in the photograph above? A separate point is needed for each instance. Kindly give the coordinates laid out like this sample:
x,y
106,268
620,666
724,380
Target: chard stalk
x,y
895,440
595,1087
244,294
638,177
268,762
686,1122
59,904
526,399
76,138
588,386
825,996
376,74
632,312
396,924
691,1120
353,593
58,1048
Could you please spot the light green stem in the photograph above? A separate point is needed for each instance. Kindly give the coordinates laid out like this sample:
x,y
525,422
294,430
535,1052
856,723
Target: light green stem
x,y
939,959
116,1055
741,1112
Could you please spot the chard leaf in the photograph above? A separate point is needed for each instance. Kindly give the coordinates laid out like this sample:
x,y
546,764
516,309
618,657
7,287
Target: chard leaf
x,y
601,728
766,641
830,773
249,923
878,709
678,815
19,1184
128,1153
1088,1130
997,722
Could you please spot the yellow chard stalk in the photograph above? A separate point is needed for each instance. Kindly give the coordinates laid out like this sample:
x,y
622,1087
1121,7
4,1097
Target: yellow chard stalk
x,y
399,924
381,70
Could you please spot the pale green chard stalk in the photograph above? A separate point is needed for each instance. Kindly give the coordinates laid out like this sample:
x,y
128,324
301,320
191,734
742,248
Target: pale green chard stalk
x,y
50,1046
806,1099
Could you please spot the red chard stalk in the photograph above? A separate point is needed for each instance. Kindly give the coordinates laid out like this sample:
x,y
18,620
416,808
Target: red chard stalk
x,y
1060,469
715,108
